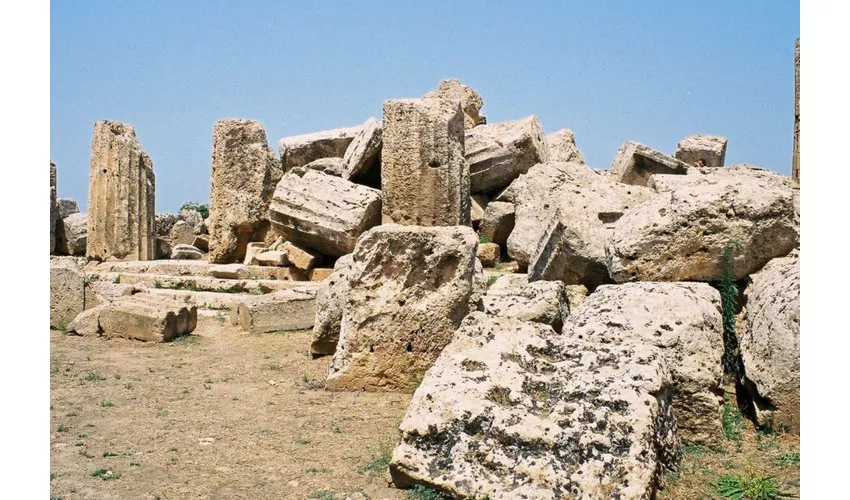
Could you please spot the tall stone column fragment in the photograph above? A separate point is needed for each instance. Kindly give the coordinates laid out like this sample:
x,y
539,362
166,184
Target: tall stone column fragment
x,y
795,164
122,216
424,176
244,171
54,208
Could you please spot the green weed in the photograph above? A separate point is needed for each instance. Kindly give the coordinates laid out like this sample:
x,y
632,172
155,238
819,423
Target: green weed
x,y
751,485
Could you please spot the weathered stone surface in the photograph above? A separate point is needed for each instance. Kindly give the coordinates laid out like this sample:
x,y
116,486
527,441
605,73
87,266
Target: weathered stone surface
x,y
301,258
470,101
164,223
709,148
329,304
488,253
330,166
498,153
680,234
227,271
163,248
541,301
244,173
538,193
182,233
252,250
513,410
121,196
66,207
498,222
272,258
54,209
186,252
770,343
190,216
279,311
86,323
147,317
201,229
477,205
364,153
409,289
576,295
683,320
102,292
571,219
67,291
323,212
72,234
634,163
299,150
201,242
424,177
562,147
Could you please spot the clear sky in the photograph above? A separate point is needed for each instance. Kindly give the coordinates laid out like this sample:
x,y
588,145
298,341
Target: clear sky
x,y
611,71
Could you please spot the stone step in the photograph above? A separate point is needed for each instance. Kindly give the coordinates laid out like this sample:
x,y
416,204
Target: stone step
x,y
204,268
199,283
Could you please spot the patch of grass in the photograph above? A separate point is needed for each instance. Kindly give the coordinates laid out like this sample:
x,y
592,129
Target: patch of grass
x,y
109,454
789,459
52,476
186,340
232,289
221,317
750,485
314,470
335,428
116,377
94,377
491,279
322,495
82,436
157,284
107,404
302,441
71,414
61,428
273,366
85,453
733,422
128,385
105,474
378,465
420,492
483,238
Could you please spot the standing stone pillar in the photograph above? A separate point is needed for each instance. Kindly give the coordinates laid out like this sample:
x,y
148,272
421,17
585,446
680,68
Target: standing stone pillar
x,y
424,175
795,163
54,207
244,171
122,205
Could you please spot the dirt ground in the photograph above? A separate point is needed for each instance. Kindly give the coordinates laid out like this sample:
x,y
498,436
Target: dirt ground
x,y
233,415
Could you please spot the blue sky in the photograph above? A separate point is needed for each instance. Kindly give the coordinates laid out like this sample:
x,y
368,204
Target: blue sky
x,y
653,72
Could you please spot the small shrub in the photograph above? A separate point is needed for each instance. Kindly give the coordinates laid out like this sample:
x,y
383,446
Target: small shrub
x,y
94,377
483,239
733,422
157,284
378,465
106,404
751,485
420,492
204,209
790,459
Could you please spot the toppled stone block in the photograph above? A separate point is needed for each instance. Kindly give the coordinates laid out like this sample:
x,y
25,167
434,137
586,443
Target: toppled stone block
x,y
190,216
86,323
279,311
409,288
252,250
576,294
488,253
72,235
363,156
273,258
330,166
477,205
541,301
146,317
186,252
227,271
680,235
562,147
201,242
681,319
513,410
563,219
424,176
122,200
329,304
67,291
498,153
181,233
498,222
66,207
244,174
299,150
323,212
770,342
301,258
163,248
634,163
164,222
711,149
470,101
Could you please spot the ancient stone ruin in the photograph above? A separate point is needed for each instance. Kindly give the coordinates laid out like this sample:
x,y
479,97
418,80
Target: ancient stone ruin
x,y
563,330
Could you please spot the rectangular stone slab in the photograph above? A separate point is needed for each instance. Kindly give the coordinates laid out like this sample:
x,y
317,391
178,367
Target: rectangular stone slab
x,y
279,311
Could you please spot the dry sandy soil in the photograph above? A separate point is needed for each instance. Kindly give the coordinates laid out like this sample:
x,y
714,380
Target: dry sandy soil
x,y
235,415
230,415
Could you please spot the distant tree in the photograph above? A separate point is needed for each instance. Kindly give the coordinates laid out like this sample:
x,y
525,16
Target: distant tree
x,y
204,210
